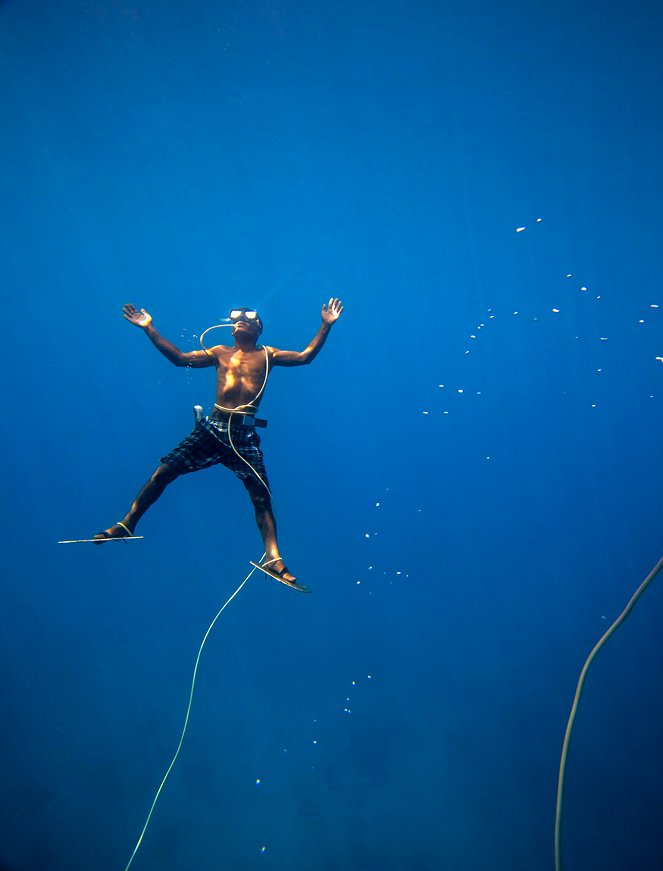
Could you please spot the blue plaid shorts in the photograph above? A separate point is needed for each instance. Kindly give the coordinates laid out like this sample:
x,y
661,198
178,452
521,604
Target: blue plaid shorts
x,y
208,445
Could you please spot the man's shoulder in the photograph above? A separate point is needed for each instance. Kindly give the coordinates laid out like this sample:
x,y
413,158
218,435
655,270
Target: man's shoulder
x,y
215,353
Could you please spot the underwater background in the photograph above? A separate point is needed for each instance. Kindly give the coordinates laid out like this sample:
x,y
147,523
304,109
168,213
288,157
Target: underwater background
x,y
468,476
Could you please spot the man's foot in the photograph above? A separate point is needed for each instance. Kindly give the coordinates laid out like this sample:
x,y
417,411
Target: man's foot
x,y
276,569
117,530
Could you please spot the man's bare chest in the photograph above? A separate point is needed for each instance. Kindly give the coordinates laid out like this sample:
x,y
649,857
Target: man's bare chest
x,y
241,366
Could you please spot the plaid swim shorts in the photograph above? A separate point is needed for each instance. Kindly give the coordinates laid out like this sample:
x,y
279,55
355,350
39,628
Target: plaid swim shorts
x,y
208,445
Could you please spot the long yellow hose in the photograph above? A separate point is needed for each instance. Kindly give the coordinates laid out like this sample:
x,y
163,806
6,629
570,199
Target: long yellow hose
x,y
240,409
186,719
576,700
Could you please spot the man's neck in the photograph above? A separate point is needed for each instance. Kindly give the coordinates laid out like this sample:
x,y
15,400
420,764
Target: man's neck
x,y
243,344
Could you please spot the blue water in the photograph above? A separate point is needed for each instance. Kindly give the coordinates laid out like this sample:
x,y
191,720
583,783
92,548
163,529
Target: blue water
x,y
194,156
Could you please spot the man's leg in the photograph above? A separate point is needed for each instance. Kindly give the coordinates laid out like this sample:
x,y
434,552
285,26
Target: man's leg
x,y
262,504
147,496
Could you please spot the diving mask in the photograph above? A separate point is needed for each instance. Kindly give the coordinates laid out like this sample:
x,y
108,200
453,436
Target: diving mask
x,y
246,314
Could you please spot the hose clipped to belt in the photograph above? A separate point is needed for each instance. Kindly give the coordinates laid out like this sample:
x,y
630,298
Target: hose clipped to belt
x,y
246,408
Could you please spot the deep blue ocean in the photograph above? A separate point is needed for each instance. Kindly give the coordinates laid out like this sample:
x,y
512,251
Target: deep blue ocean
x,y
468,476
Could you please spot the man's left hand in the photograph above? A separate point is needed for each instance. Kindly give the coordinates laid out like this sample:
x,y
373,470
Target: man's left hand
x,y
331,312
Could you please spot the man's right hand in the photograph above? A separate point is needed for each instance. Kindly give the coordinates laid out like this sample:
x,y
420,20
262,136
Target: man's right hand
x,y
139,318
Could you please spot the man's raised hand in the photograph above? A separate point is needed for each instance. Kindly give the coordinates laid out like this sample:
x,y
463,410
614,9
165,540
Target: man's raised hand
x,y
138,318
331,312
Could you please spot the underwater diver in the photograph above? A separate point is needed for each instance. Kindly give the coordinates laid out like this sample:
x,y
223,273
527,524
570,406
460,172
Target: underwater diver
x,y
228,435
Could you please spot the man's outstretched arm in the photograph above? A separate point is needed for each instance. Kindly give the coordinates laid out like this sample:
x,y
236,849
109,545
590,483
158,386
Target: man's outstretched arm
x,y
331,312
196,359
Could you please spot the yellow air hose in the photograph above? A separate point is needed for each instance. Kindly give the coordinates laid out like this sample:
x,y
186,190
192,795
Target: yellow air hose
x,y
186,719
576,700
240,409
246,408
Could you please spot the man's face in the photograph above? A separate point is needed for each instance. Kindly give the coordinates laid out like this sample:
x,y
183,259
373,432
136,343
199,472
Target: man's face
x,y
246,319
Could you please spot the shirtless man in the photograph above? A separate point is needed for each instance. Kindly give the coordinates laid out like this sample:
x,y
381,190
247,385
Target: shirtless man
x,y
228,435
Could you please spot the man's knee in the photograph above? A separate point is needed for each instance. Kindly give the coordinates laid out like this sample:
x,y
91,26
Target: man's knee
x,y
259,495
165,474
